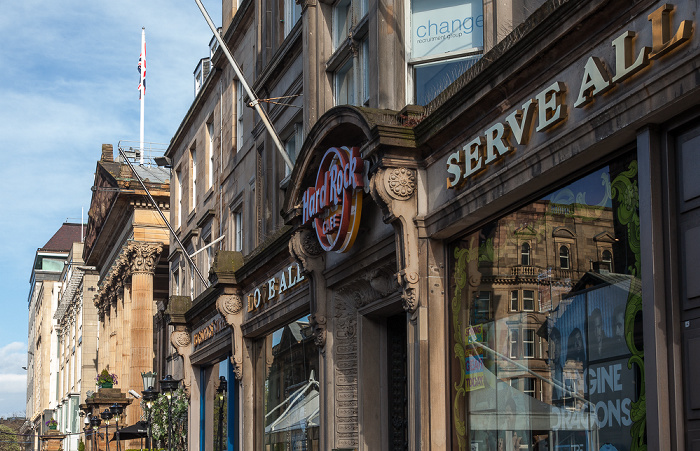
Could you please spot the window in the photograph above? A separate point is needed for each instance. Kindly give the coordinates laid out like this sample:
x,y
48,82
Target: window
x,y
237,231
207,255
179,212
607,260
345,84
290,388
293,144
193,178
577,344
191,283
240,96
292,14
525,254
482,307
364,71
342,18
210,152
528,300
564,257
176,282
514,343
529,343
529,386
440,27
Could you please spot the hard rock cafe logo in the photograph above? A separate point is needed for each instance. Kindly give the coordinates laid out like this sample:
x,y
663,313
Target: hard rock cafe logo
x,y
333,205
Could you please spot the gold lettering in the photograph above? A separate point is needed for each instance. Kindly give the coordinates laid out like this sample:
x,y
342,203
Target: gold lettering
x,y
497,142
596,80
473,151
455,166
662,42
551,106
625,64
520,122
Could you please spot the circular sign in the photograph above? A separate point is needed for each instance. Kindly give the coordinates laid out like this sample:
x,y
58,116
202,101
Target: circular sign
x,y
334,203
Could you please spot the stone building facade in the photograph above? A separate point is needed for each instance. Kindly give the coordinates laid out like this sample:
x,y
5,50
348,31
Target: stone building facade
x,y
488,233
43,367
126,241
77,325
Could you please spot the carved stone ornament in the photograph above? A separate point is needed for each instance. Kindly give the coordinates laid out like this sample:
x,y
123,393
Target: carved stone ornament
x,y
318,326
401,183
180,339
144,256
310,244
230,304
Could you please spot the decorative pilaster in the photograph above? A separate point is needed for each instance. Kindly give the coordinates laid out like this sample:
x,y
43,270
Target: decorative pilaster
x,y
305,249
230,306
394,190
180,339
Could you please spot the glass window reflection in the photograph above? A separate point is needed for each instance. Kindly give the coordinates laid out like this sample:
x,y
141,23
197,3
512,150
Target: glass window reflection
x,y
556,362
291,388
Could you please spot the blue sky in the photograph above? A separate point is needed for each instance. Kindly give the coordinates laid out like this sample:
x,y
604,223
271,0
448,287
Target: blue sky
x,y
68,84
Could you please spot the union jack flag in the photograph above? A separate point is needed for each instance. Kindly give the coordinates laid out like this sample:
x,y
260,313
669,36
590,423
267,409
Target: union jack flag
x,y
142,72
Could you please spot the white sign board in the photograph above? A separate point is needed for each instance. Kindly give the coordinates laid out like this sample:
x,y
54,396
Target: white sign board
x,y
440,26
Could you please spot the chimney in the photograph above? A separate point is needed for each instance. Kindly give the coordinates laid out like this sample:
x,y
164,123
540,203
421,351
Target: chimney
x,y
107,152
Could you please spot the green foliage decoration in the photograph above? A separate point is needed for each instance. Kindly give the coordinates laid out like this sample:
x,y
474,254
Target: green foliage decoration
x,y
159,419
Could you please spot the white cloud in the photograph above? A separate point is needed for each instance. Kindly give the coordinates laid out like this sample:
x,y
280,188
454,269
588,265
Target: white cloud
x,y
13,357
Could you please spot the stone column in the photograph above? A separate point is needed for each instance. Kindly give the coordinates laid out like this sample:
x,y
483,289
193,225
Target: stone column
x,y
143,260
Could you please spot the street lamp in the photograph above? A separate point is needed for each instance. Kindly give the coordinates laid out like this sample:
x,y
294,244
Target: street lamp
x,y
117,411
149,396
221,394
107,416
169,385
95,423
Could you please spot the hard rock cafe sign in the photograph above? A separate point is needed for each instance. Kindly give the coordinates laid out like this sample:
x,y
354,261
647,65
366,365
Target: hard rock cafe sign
x,y
333,205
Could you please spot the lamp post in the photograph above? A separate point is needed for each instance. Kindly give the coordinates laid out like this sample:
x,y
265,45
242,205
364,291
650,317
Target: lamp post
x,y
95,423
149,396
117,411
221,394
107,416
169,385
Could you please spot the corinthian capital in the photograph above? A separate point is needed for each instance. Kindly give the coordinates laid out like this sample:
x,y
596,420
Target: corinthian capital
x,y
144,256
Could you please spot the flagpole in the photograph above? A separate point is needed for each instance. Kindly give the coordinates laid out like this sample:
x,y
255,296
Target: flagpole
x,y
142,85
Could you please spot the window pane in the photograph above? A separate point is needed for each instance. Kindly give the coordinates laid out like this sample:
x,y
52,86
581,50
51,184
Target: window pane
x,y
589,381
291,388
528,300
344,85
431,79
525,255
514,300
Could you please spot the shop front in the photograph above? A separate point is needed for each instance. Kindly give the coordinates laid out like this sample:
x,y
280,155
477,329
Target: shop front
x,y
564,226
520,275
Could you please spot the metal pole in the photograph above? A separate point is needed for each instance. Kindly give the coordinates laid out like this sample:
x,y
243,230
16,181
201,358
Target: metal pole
x,y
143,85
150,430
172,232
221,421
255,102
170,424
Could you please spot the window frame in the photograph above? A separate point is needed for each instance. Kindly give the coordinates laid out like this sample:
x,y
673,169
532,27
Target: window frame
x,y
567,256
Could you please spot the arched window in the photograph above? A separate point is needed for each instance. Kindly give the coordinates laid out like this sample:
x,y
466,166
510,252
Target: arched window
x,y
525,254
607,259
564,257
